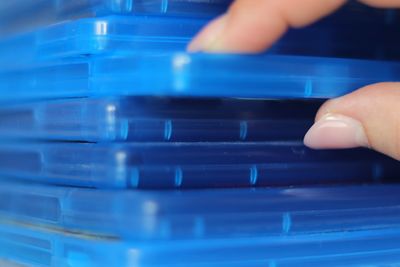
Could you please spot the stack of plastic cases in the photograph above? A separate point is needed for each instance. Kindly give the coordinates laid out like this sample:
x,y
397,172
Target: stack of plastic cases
x,y
96,109
115,55
332,226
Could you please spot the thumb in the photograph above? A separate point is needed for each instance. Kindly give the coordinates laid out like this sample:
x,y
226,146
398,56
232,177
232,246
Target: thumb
x,y
369,117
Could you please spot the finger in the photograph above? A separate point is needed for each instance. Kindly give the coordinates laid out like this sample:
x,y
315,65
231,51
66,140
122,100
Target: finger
x,y
369,117
254,25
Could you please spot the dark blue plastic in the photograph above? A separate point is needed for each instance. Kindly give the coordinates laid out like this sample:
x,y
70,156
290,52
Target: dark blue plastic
x,y
191,165
158,119
355,31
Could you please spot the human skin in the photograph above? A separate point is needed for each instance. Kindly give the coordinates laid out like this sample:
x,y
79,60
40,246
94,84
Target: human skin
x,y
368,117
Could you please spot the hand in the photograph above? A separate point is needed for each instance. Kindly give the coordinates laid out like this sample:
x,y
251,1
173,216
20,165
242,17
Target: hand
x,y
369,117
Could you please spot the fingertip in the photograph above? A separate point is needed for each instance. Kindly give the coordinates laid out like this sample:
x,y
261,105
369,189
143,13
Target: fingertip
x,y
372,121
205,39
253,26
335,131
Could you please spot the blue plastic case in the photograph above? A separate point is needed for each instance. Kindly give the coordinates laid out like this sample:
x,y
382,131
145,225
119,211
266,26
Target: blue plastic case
x,y
191,165
197,75
188,8
105,36
158,119
20,15
35,246
221,215
344,34
121,35
238,76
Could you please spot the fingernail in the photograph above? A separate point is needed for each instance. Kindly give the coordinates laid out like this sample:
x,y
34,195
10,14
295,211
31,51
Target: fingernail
x,y
336,131
209,35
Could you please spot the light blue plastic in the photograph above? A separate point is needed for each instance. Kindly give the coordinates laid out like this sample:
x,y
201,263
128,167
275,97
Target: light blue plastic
x,y
198,8
20,15
191,165
221,215
66,9
35,246
158,119
100,36
197,75
238,76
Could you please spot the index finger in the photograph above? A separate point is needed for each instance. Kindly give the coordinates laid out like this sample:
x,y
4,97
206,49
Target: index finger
x,y
254,25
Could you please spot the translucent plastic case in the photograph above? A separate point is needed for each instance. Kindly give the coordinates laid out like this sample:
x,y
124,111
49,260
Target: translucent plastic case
x,y
121,35
100,36
197,75
33,246
20,15
220,214
191,165
147,119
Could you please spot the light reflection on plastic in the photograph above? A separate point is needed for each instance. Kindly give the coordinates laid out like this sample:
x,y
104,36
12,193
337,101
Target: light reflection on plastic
x,y
121,172
179,66
111,114
180,61
101,28
150,207
133,257
305,193
150,221
121,157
